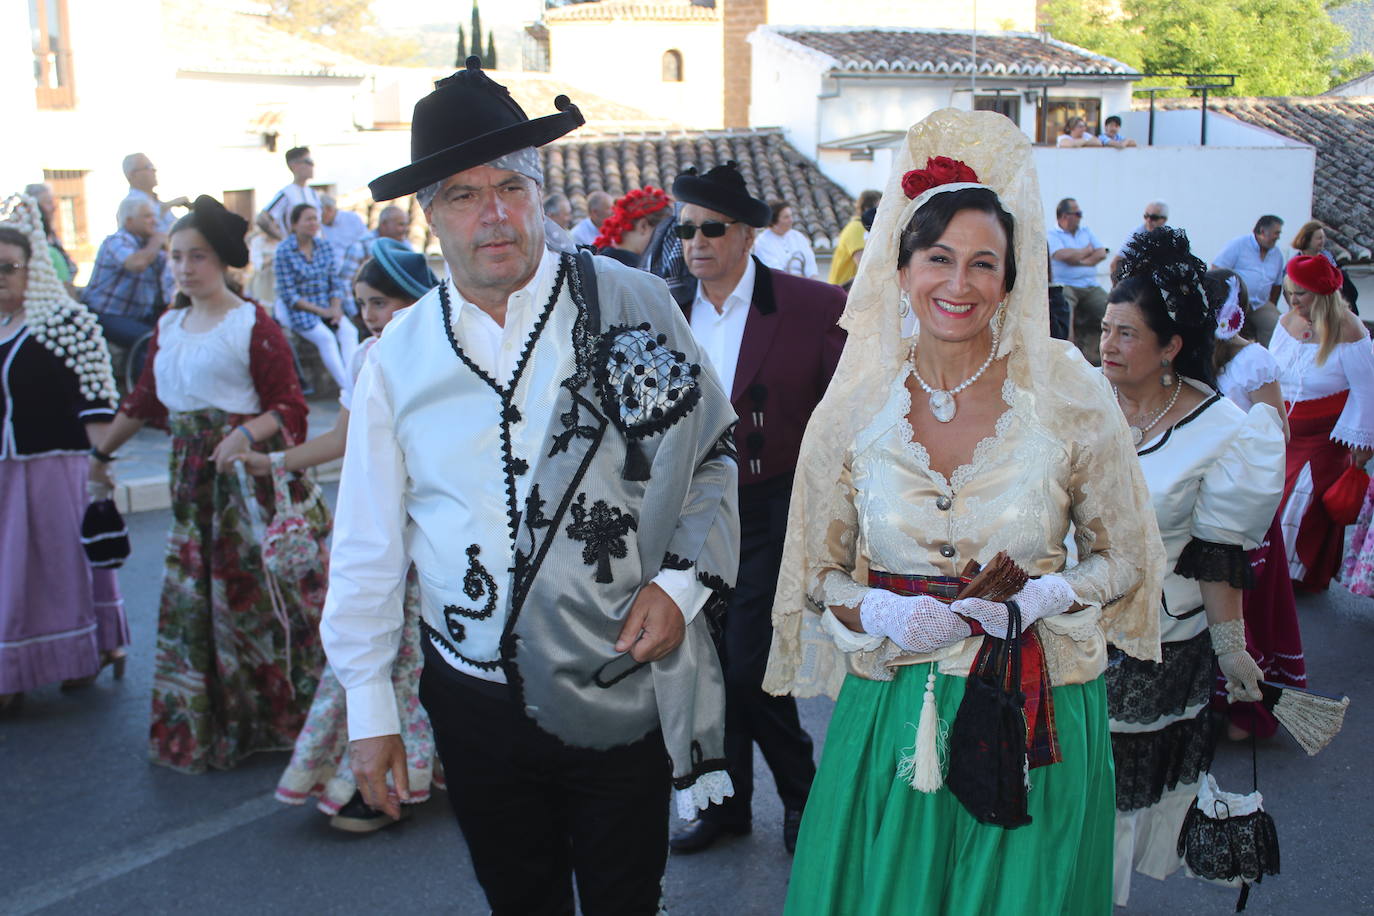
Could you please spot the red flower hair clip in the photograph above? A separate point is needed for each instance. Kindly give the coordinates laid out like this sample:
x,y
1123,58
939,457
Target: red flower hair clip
x,y
636,205
939,170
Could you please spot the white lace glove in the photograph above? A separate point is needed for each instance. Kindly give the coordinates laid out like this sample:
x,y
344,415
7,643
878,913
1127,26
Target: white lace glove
x,y
917,623
1242,674
1041,598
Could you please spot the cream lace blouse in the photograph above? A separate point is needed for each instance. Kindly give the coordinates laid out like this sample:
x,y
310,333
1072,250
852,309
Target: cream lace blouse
x,y
1026,489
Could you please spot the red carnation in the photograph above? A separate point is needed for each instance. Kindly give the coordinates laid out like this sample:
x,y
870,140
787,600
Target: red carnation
x,y
939,170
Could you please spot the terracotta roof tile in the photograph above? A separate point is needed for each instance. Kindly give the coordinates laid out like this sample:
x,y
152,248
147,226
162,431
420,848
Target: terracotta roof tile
x,y
654,10
773,169
949,51
1342,130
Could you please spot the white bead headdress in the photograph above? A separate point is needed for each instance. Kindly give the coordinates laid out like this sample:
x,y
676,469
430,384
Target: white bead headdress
x,y
66,327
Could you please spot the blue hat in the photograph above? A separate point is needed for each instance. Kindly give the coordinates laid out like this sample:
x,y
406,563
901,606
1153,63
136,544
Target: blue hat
x,y
408,268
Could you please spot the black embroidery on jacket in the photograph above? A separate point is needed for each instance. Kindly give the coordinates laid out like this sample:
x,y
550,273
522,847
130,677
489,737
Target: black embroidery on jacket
x,y
477,584
601,530
673,561
442,640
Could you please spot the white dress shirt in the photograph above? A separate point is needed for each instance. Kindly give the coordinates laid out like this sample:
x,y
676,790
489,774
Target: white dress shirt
x,y
720,333
585,231
375,527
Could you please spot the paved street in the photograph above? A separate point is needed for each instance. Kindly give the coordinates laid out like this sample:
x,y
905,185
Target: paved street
x,y
91,828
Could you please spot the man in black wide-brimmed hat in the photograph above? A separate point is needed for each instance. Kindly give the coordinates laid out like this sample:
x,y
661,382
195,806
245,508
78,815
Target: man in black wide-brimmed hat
x,y
537,437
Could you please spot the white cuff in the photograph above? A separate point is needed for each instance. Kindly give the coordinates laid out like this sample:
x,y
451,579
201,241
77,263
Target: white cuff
x,y
846,639
372,710
686,591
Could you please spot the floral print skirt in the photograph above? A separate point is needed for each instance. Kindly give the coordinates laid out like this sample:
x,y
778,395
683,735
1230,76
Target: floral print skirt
x,y
319,767
238,656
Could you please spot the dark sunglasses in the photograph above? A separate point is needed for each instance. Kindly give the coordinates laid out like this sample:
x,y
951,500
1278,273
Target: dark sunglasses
x,y
1073,212
12,267
712,229
1152,217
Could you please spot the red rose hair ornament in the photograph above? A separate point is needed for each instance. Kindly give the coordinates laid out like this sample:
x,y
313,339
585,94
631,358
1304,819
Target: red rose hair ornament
x,y
1316,274
636,205
939,170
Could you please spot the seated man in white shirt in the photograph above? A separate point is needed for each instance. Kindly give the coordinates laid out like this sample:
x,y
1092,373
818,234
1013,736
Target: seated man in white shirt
x,y
1075,253
538,437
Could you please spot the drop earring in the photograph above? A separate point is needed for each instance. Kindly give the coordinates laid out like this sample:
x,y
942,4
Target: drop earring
x,y
904,304
1166,378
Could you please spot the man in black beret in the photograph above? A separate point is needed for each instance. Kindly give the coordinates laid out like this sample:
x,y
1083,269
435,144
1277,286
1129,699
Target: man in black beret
x,y
536,435
773,340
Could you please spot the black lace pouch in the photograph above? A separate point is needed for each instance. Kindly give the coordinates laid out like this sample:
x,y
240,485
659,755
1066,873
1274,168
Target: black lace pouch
x,y
987,743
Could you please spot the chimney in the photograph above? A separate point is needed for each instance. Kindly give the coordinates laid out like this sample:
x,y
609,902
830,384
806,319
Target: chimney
x,y
740,18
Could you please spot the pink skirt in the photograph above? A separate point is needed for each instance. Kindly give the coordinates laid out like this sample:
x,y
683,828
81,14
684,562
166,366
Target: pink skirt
x,y
57,614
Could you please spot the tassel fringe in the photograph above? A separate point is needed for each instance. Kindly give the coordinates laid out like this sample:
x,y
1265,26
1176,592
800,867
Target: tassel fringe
x,y
922,765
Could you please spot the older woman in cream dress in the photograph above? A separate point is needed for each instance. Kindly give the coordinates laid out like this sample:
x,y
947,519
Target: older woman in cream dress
x,y
975,434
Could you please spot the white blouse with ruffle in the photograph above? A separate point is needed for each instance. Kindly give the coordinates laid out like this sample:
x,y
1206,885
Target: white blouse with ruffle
x,y
1349,366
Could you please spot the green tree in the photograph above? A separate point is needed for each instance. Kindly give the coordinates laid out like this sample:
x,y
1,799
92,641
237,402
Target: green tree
x,y
1276,47
476,31
489,62
460,59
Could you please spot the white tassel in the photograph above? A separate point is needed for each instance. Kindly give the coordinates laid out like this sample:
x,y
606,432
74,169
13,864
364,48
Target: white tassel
x,y
920,766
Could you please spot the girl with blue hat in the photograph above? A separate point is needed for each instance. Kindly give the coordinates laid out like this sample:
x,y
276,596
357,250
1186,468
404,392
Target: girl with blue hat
x,y
391,279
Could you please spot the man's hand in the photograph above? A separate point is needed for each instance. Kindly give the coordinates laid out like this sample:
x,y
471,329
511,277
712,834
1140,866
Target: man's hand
x,y
371,759
654,627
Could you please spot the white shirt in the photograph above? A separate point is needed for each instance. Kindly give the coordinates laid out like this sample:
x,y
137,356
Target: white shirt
x,y
790,252
1349,366
1250,369
372,524
287,200
347,228
721,333
585,232
208,369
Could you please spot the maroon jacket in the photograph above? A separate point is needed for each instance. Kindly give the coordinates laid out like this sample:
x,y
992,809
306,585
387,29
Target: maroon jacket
x,y
790,348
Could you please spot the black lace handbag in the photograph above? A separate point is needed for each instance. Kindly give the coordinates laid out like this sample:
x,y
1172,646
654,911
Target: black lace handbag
x,y
1227,836
987,743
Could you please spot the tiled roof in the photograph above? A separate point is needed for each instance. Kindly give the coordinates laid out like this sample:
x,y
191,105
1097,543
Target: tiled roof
x,y
946,51
653,10
1342,130
206,37
578,165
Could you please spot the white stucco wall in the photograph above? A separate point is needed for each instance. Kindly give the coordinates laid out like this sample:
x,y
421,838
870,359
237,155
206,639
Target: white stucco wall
x,y
933,14
1184,128
1358,87
623,60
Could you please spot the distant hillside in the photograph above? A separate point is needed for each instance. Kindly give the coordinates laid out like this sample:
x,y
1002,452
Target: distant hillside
x,y
1358,19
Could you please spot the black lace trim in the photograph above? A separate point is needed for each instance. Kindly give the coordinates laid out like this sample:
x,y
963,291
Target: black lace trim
x,y
1208,561
655,393
1245,846
477,582
509,412
715,606
493,665
673,561
1141,692
601,530
1148,763
701,765
583,340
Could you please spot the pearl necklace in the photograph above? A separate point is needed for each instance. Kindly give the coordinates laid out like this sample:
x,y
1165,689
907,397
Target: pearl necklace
x,y
942,400
1138,432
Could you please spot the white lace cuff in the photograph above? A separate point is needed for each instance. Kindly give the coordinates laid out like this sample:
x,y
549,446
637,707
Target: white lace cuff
x,y
846,639
1352,436
838,589
710,788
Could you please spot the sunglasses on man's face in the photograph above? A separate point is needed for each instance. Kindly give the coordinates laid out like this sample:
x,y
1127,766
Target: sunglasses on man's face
x,y
13,267
712,229
1155,217
1073,212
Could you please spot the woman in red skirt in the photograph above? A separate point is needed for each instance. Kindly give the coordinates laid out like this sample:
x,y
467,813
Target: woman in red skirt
x,y
1326,371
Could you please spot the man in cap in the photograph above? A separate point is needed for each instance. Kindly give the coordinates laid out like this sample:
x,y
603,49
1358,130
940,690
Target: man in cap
x,y
537,437
773,340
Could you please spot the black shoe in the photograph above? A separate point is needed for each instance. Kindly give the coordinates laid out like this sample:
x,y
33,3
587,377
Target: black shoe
x,y
791,824
358,817
700,834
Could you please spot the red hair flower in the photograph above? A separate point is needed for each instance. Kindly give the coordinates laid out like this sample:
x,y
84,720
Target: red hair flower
x,y
636,205
939,170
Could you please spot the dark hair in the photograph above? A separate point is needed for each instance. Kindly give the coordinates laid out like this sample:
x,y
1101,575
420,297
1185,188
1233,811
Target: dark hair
x,y
374,275
10,236
777,206
296,152
930,222
1266,221
1215,285
296,212
1112,119
1064,206
1164,256
181,300
867,200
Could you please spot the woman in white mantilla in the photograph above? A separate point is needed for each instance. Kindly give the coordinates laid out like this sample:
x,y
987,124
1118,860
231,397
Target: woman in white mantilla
x,y
975,434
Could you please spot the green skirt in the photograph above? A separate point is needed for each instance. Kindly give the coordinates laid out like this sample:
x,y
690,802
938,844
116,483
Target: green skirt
x,y
871,844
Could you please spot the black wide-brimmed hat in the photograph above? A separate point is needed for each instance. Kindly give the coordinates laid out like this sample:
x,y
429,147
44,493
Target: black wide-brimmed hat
x,y
722,189
469,119
225,230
